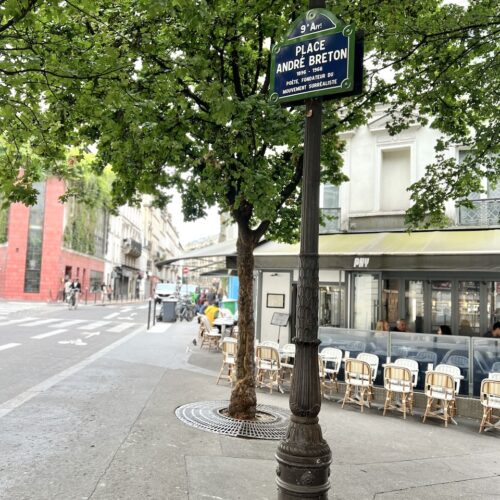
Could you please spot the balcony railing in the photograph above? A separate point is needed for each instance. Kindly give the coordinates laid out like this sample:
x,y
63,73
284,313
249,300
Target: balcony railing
x,y
483,213
132,248
331,220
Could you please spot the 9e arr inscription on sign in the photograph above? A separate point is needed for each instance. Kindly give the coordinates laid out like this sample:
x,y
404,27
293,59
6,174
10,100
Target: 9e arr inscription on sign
x,y
317,58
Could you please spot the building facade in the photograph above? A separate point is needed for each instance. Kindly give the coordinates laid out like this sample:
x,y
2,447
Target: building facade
x,y
37,255
371,268
42,245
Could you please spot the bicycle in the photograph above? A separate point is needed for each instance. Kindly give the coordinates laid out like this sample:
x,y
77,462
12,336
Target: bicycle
x,y
71,299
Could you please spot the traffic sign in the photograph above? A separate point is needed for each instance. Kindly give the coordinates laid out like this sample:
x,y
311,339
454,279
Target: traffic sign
x,y
185,270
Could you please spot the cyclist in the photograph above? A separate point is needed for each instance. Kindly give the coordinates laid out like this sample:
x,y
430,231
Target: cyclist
x,y
75,290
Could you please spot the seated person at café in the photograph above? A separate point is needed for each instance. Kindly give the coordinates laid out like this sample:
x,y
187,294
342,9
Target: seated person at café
x,y
495,331
443,330
400,326
211,312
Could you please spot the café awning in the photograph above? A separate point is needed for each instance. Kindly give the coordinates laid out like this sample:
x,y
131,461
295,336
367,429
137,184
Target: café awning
x,y
459,250
223,249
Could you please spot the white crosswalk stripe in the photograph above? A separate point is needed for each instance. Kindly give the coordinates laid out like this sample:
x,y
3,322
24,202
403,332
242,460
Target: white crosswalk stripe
x,y
71,322
16,321
49,334
40,322
120,328
112,315
95,324
8,346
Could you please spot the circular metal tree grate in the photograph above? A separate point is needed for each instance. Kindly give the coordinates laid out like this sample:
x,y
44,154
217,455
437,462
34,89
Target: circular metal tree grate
x,y
270,423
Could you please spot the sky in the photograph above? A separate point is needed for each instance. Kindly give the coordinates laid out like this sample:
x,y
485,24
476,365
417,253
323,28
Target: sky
x,y
192,231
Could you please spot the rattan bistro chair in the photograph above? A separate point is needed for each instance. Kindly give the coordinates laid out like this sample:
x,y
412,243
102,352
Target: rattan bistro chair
x,y
412,365
210,336
373,361
490,399
268,367
358,378
440,387
398,380
229,350
287,359
331,358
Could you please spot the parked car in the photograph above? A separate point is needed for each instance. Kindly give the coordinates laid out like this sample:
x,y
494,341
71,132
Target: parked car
x,y
165,291
172,291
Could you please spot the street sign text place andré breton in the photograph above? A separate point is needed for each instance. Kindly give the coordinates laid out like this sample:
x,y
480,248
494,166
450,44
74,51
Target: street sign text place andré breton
x,y
317,58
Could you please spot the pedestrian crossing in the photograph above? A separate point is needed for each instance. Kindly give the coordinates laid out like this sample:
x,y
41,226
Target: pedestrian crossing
x,y
49,334
59,327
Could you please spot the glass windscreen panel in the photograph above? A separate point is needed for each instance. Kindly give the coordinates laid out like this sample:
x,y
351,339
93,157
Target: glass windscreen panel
x,y
429,351
486,360
468,308
440,304
354,342
414,305
365,301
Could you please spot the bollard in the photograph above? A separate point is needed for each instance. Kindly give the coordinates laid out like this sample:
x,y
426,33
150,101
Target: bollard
x,y
86,293
95,298
154,313
149,312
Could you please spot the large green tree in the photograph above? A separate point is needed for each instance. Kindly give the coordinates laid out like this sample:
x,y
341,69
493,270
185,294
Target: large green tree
x,y
175,93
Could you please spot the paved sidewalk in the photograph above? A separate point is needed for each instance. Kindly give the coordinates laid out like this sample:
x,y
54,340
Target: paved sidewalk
x,y
109,432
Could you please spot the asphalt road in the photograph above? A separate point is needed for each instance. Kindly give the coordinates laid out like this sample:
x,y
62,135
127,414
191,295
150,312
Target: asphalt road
x,y
40,341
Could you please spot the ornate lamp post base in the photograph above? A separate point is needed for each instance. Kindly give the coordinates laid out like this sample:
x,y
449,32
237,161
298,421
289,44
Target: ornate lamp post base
x,y
304,460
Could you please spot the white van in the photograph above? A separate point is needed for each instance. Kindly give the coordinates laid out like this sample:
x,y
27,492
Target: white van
x,y
172,290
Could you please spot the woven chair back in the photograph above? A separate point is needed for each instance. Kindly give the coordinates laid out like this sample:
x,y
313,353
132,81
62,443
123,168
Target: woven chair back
x,y
490,388
397,375
439,382
357,369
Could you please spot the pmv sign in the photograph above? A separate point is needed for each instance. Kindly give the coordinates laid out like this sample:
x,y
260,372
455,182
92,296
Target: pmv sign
x,y
321,56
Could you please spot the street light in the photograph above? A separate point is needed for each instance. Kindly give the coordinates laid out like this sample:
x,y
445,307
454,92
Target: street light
x,y
303,456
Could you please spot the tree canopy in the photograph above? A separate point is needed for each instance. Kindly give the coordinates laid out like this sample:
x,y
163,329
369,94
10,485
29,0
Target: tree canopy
x,y
185,85
176,93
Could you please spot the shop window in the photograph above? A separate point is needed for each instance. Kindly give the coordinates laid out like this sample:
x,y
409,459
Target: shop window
x,y
33,265
95,281
414,306
395,178
441,304
331,306
390,301
493,306
468,308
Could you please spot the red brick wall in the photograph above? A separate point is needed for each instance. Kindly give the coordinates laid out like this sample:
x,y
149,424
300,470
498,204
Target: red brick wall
x,y
15,263
3,268
54,257
81,262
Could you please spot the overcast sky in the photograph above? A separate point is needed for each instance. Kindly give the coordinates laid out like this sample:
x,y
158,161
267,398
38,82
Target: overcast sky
x,y
191,231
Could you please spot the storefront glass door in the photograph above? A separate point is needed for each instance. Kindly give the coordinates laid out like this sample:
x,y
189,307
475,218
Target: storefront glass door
x,y
468,308
440,304
331,305
414,306
365,300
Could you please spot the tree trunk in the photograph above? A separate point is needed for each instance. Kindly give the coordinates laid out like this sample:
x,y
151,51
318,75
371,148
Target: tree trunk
x,y
243,398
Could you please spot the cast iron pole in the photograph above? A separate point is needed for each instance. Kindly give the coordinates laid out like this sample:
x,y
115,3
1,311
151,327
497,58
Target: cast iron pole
x,y
304,457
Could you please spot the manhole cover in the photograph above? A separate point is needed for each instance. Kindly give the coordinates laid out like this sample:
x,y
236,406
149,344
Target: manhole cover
x,y
270,423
